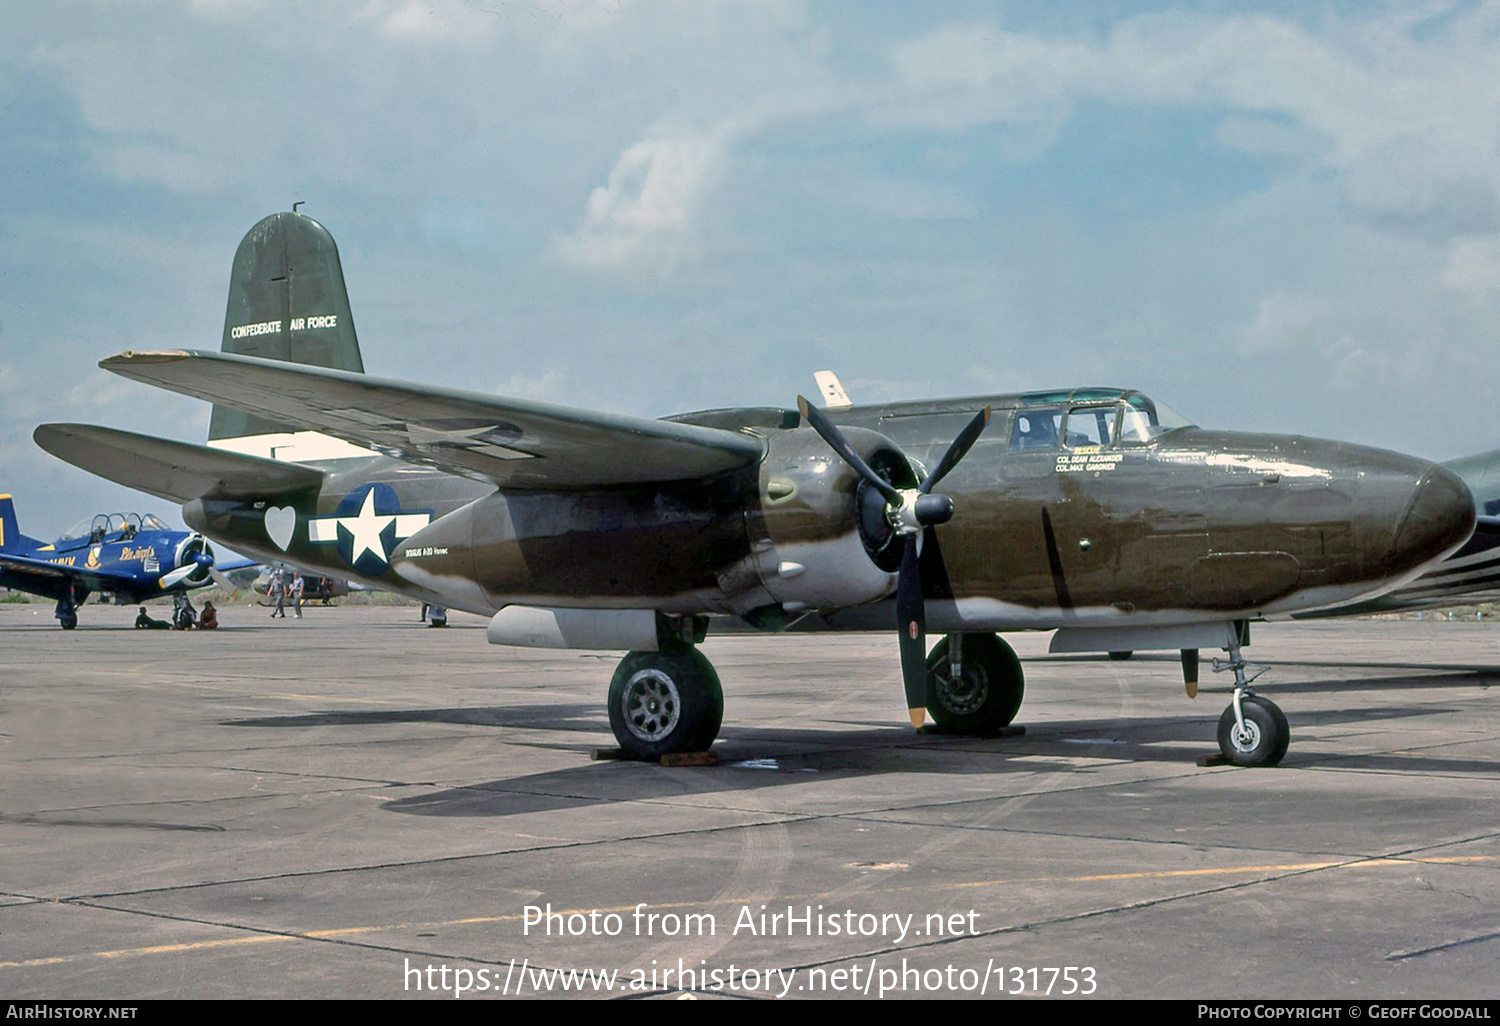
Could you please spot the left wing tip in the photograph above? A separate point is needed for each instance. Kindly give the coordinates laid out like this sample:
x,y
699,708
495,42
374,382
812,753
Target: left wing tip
x,y
144,356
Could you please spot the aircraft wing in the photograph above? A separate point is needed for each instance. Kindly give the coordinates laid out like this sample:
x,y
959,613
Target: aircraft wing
x,y
514,443
40,569
175,471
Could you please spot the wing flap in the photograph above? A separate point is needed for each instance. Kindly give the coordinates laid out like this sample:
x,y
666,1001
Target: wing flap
x,y
176,471
514,443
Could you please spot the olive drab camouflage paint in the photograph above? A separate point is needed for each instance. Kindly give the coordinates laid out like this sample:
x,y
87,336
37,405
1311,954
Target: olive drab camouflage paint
x,y
1080,509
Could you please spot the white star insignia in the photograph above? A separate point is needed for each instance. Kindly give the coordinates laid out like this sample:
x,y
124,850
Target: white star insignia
x,y
365,528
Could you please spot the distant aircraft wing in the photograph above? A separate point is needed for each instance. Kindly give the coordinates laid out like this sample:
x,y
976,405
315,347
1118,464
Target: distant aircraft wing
x,y
175,471
514,443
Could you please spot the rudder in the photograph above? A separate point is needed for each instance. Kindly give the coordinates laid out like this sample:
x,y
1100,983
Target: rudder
x,y
11,538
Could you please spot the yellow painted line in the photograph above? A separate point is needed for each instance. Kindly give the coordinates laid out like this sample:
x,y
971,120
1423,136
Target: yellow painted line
x,y
353,931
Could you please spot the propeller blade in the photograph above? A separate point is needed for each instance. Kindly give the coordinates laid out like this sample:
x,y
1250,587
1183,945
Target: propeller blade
x,y
960,447
911,621
176,577
224,581
836,441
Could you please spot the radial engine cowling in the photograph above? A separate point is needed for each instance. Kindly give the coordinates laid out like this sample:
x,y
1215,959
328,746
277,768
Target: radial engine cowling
x,y
194,551
821,537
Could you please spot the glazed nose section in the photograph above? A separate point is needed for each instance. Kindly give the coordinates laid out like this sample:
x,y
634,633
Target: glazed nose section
x,y
1439,518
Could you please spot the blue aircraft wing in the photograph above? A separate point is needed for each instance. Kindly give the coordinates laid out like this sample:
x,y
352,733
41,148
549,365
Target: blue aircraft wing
x,y
41,571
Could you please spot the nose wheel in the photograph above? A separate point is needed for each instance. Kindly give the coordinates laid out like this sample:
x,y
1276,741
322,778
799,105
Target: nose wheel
x,y
1258,737
1253,730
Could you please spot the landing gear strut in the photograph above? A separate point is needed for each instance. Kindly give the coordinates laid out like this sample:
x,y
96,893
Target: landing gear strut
x,y
665,702
974,684
66,611
1253,730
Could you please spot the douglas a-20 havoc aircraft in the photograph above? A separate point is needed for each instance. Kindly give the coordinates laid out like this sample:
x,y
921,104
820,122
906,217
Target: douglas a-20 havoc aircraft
x,y
1097,512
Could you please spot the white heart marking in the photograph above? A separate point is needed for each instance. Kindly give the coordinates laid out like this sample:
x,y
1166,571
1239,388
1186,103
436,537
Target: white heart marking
x,y
281,522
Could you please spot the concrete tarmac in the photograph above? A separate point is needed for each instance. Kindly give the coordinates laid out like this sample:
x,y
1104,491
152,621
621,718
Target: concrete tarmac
x,y
354,806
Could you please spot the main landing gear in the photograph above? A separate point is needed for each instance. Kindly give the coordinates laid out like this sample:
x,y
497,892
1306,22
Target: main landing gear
x,y
662,703
665,702
1253,730
974,684
66,611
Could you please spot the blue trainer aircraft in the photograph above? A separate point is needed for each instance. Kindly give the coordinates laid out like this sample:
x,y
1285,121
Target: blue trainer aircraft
x,y
125,556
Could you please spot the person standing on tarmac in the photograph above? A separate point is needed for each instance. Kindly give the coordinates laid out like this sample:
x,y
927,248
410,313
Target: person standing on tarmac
x,y
298,586
278,595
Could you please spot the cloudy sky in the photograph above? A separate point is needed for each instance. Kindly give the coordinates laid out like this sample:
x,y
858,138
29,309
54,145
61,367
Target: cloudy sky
x,y
1277,215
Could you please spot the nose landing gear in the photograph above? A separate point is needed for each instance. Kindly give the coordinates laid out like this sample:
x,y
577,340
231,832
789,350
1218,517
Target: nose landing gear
x,y
1252,730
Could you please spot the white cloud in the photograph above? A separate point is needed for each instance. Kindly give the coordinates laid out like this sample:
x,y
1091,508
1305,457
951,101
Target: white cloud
x,y
1286,321
1412,124
646,213
1473,267
548,386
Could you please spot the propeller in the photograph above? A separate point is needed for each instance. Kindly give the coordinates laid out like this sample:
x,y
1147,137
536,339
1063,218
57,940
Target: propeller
x,y
910,512
197,558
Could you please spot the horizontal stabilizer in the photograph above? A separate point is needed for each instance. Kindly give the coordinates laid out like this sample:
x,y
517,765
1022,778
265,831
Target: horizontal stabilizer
x,y
176,471
514,443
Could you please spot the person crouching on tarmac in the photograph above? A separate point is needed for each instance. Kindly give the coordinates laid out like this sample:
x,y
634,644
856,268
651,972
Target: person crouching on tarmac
x,y
210,618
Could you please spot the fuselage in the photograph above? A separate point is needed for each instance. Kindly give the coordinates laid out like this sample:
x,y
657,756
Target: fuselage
x,y
1076,507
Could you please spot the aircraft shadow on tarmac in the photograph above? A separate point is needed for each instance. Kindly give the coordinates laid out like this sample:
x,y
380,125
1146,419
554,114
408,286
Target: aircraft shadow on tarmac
x,y
608,783
755,758
578,716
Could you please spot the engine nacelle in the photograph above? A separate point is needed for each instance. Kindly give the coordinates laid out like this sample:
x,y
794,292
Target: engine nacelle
x,y
821,537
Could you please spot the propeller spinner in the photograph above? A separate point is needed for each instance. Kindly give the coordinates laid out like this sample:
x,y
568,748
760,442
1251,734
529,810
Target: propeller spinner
x,y
910,512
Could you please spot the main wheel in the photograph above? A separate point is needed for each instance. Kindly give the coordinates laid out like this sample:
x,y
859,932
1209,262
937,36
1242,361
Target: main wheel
x,y
987,693
665,702
1265,737
1120,655
68,621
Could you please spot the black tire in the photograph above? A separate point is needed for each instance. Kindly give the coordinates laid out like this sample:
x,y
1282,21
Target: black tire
x,y
989,695
1267,735
1122,655
665,702
67,623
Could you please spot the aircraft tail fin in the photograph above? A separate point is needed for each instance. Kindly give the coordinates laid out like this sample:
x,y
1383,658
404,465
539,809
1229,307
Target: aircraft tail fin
x,y
11,538
287,301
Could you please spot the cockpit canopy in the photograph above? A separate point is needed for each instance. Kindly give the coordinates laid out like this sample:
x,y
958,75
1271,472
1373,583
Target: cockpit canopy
x,y
113,526
1091,417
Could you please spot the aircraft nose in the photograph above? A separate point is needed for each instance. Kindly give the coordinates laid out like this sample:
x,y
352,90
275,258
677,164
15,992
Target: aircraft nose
x,y
1438,519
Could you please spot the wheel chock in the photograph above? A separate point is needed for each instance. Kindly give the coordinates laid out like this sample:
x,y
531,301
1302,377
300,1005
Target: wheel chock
x,y
690,759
